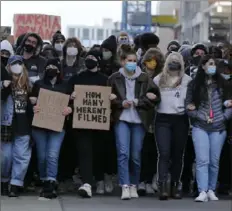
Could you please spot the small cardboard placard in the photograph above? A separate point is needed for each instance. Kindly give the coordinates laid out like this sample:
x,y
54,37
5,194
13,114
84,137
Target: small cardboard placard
x,y
92,107
51,106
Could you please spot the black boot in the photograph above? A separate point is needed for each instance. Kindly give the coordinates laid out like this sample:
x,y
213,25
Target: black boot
x,y
14,191
176,190
44,185
4,188
163,191
50,190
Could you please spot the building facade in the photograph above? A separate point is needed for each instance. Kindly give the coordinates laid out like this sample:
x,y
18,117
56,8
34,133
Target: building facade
x,y
205,21
90,35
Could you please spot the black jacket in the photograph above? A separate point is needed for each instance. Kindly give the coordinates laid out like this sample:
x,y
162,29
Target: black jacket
x,y
35,64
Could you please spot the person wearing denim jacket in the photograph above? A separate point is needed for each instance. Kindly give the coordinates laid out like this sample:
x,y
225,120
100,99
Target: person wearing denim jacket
x,y
48,142
132,112
15,127
204,104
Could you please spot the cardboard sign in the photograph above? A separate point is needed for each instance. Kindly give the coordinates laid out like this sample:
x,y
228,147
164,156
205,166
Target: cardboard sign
x,y
92,107
52,105
44,25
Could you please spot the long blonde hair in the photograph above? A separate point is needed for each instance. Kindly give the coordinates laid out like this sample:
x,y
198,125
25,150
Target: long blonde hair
x,y
23,80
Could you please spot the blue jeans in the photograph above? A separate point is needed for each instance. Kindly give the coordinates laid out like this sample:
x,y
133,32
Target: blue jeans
x,y
129,139
208,147
15,158
48,144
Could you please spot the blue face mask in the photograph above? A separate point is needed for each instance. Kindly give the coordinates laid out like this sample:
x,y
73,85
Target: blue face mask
x,y
211,70
131,66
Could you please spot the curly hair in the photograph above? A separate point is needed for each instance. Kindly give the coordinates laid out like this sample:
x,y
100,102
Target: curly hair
x,y
77,44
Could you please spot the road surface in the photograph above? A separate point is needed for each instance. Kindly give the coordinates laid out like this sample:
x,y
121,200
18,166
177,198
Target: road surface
x,y
110,203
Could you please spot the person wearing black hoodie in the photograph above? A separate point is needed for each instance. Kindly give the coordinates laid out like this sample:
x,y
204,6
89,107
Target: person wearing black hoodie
x,y
30,49
85,138
48,142
147,40
109,63
58,40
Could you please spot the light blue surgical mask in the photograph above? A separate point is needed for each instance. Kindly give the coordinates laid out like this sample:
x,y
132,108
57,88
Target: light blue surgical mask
x,y
226,76
211,70
131,66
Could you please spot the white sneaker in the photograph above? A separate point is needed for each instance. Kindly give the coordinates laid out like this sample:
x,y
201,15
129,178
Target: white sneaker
x,y
142,189
212,196
202,197
149,189
109,187
133,192
125,192
85,191
100,188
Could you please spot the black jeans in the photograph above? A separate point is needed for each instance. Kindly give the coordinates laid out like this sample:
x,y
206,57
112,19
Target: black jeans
x,y
171,136
105,156
67,164
86,142
149,159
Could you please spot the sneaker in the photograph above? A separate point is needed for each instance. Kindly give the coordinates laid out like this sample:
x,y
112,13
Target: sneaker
x,y
48,191
149,189
212,196
109,187
142,189
202,197
85,191
100,188
133,192
14,191
125,192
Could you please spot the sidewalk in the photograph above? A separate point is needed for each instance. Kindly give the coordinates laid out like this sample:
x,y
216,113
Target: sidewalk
x,y
29,203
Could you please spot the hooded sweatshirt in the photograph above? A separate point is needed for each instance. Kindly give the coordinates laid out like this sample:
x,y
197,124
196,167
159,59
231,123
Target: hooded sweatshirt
x,y
173,88
130,114
5,45
35,64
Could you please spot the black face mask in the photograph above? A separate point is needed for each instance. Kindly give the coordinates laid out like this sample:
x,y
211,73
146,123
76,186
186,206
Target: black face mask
x,y
174,66
90,64
196,60
29,48
4,60
51,73
175,49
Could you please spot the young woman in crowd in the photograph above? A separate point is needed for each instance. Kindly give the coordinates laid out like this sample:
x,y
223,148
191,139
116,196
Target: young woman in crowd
x,y
48,142
132,112
15,127
87,139
171,124
204,103
152,63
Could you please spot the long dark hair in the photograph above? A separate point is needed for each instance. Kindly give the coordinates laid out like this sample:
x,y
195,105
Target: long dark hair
x,y
199,83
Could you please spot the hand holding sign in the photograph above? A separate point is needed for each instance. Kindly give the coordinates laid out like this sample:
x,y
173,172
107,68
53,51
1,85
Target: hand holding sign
x,y
36,109
73,96
67,111
113,97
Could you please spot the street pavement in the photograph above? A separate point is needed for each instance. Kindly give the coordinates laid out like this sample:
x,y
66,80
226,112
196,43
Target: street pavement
x,y
110,203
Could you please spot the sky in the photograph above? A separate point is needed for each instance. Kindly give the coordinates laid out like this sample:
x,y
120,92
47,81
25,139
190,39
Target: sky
x,y
71,12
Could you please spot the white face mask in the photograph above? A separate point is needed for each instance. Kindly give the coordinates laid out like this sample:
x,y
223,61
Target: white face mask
x,y
59,46
107,55
16,69
72,51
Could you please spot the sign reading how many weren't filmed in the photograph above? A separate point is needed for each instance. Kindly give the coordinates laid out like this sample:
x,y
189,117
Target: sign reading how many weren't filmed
x,y
92,107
